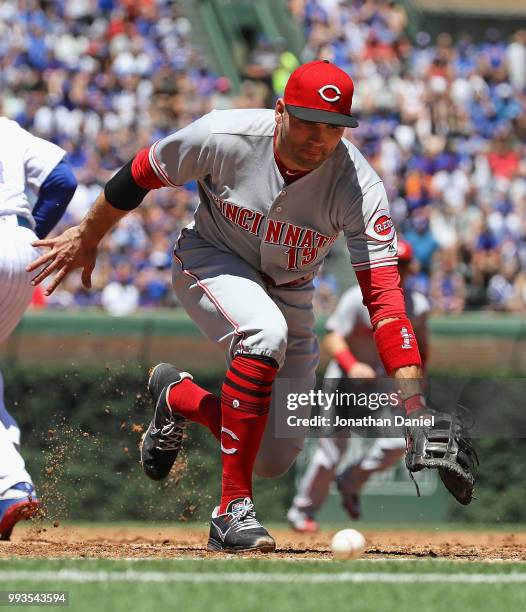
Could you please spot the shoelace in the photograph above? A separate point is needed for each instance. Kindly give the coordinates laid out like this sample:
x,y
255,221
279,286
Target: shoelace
x,y
171,436
244,517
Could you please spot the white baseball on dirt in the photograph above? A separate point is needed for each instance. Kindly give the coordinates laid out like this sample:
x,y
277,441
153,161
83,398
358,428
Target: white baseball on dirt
x,y
347,544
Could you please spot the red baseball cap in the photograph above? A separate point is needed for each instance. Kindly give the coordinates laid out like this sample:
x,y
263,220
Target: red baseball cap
x,y
320,92
405,250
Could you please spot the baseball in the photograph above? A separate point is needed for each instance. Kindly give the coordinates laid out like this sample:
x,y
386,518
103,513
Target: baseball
x,y
347,544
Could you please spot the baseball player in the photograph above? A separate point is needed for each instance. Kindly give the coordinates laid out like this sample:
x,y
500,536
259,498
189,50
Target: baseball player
x,y
349,327
36,185
276,188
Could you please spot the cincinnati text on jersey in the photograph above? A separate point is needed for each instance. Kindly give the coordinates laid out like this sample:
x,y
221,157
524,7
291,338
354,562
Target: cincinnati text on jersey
x,y
303,243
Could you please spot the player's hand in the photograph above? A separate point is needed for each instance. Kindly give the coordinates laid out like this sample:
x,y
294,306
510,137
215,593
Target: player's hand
x,y
361,370
67,252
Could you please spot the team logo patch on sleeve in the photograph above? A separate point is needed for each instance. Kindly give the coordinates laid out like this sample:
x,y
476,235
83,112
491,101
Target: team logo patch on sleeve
x,y
380,226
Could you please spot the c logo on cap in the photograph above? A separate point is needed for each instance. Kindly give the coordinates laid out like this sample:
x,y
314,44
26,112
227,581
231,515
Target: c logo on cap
x,y
337,93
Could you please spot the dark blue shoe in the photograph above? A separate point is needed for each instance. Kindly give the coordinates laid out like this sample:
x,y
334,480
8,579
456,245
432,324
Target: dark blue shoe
x,y
162,441
238,530
16,504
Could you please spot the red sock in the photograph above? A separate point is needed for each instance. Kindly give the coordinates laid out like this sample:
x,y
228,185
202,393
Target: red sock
x,y
245,402
196,404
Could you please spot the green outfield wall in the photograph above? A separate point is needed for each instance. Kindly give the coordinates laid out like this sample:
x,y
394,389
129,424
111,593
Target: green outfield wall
x,y
477,342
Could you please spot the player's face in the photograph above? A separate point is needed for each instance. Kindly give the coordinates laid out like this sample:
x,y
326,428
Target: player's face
x,y
304,145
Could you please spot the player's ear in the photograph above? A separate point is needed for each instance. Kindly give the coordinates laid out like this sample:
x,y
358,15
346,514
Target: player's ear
x,y
279,111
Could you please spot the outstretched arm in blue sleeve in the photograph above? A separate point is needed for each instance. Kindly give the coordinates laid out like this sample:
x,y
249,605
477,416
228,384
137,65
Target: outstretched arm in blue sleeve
x,y
54,196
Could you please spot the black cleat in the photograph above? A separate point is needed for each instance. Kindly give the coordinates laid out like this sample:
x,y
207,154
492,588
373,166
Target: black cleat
x,y
163,438
238,530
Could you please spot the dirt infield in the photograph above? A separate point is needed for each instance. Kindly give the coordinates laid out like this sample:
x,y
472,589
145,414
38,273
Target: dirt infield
x,y
172,542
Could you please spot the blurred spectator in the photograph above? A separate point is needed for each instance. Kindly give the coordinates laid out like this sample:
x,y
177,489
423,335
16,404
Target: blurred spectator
x,y
516,55
443,122
518,302
120,297
486,256
448,287
421,238
288,62
503,160
501,290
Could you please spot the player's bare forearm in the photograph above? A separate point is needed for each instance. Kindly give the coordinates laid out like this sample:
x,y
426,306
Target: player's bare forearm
x,y
338,349
334,343
101,217
410,381
76,247
408,373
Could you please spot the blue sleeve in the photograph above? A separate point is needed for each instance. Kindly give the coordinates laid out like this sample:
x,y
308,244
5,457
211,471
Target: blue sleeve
x,y
54,196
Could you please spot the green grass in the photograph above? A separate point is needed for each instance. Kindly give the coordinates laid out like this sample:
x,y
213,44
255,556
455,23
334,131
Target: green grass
x,y
289,585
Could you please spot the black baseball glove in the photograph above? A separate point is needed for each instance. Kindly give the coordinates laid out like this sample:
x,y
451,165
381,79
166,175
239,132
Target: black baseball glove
x,y
444,446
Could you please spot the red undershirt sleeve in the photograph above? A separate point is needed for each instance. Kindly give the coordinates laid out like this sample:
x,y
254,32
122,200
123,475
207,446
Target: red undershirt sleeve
x,y
143,173
382,294
384,298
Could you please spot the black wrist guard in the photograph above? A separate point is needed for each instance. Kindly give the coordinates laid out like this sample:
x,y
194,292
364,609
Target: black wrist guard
x,y
122,191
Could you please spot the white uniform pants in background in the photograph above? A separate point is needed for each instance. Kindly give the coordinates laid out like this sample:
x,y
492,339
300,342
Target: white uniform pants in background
x,y
16,253
322,469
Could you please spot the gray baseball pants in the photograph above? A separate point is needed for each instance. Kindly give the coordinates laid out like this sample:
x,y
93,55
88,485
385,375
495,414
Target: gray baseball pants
x,y
234,307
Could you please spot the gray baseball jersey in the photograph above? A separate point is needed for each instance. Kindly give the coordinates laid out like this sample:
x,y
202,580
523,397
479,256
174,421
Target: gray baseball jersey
x,y
244,267
245,207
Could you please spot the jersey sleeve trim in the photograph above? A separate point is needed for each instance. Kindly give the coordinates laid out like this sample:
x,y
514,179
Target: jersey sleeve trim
x,y
370,264
161,174
143,173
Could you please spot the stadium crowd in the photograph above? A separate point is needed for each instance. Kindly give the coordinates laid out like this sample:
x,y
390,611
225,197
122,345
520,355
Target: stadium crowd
x,y
443,121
